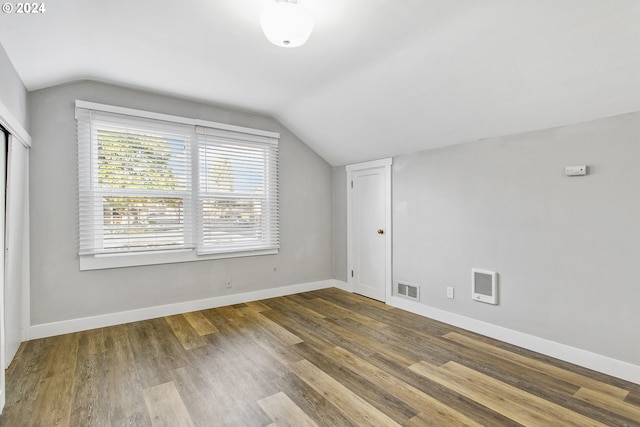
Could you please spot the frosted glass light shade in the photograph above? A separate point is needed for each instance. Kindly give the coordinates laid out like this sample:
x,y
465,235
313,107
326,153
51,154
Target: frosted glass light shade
x,y
286,24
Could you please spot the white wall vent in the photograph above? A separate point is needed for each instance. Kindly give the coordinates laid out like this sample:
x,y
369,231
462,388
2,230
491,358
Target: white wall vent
x,y
408,291
484,286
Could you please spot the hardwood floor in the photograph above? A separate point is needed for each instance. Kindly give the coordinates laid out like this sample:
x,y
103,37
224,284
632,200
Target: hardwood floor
x,y
322,358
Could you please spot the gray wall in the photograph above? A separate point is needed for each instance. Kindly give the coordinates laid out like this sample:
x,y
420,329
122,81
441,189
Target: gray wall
x,y
340,223
567,249
59,291
12,92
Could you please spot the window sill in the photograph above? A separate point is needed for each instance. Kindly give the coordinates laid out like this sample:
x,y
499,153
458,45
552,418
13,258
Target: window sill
x,y
106,261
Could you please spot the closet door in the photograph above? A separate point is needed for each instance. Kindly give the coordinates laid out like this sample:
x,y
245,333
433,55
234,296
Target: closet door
x,y
4,137
16,220
369,228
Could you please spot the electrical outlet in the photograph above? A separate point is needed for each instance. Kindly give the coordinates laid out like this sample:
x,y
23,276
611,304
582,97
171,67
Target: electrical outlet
x,y
450,292
227,283
579,170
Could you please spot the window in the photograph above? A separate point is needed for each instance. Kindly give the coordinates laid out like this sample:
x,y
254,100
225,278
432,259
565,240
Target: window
x,y
236,204
156,188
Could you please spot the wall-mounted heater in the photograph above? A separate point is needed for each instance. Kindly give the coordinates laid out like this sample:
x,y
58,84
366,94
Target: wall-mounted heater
x,y
484,286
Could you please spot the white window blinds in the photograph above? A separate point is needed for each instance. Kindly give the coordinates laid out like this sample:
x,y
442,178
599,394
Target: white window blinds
x,y
147,185
135,183
238,191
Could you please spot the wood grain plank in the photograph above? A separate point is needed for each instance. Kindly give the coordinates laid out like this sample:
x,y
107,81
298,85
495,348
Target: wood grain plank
x,y
156,351
514,403
349,403
16,360
541,367
53,407
276,331
91,342
18,414
383,341
215,317
506,370
462,404
292,304
25,381
433,417
311,402
279,349
379,397
63,356
238,372
200,399
186,334
309,330
229,313
610,403
405,320
126,401
91,401
166,407
200,323
256,306
428,407
349,300
329,309
284,412
355,339
633,397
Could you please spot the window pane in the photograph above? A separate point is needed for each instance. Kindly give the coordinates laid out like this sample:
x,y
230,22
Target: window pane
x,y
135,183
238,203
136,160
232,168
142,222
232,222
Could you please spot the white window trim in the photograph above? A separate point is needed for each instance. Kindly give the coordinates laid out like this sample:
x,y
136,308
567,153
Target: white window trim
x,y
131,259
175,119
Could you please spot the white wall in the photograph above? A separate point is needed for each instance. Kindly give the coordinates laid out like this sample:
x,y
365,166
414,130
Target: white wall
x,y
567,249
59,291
13,95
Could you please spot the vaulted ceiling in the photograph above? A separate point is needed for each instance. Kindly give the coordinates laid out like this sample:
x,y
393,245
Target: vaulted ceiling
x,y
377,77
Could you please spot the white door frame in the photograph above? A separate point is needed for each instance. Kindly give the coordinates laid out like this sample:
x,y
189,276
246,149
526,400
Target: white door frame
x,y
16,252
3,160
18,134
384,164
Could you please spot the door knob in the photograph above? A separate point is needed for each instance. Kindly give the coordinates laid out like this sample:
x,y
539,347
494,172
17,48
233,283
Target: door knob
x,y
380,231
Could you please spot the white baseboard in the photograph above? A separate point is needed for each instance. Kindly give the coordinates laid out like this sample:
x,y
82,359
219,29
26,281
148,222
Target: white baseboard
x,y
343,285
584,358
83,324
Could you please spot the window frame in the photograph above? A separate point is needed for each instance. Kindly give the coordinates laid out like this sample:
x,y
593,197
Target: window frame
x,y
191,230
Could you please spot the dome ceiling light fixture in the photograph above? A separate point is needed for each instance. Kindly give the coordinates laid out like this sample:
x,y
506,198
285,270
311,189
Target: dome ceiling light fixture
x,y
286,23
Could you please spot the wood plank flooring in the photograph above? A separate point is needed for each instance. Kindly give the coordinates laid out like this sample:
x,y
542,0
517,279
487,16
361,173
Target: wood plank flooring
x,y
322,358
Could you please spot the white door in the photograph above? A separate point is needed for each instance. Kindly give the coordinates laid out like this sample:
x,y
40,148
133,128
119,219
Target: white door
x,y
16,177
3,160
369,228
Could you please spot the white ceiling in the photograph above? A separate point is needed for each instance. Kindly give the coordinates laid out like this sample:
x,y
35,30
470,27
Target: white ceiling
x,y
377,77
